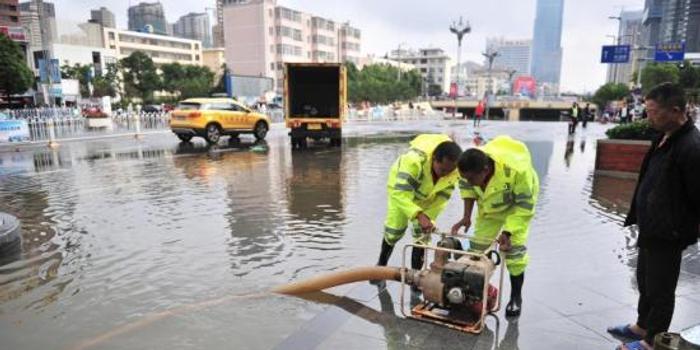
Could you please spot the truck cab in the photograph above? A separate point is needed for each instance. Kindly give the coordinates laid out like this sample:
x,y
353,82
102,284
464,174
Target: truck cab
x,y
315,96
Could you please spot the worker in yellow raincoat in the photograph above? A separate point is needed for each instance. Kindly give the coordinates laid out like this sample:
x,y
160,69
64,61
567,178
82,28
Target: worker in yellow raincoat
x,y
500,178
420,184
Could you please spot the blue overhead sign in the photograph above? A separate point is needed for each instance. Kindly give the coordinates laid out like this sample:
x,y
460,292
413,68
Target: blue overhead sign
x,y
615,54
669,52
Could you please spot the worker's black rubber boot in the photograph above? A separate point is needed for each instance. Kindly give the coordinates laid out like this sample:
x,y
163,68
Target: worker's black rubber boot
x,y
384,256
514,307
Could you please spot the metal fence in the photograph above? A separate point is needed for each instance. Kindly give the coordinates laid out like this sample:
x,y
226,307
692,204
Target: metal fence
x,y
46,124
380,114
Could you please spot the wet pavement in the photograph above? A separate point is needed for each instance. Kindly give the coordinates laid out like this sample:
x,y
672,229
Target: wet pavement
x,y
155,244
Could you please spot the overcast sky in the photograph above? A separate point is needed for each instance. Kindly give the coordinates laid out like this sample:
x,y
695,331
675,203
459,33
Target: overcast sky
x,y
421,23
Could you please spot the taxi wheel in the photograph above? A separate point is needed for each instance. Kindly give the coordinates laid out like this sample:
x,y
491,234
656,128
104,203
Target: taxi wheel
x,y
260,130
213,133
184,137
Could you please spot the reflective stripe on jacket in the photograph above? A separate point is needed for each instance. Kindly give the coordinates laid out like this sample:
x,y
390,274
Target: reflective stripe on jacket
x,y
410,184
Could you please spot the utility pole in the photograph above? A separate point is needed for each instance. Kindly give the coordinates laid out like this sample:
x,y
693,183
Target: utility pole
x,y
459,29
619,39
490,56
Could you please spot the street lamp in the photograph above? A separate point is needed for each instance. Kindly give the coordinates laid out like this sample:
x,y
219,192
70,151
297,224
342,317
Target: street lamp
x,y
490,56
398,58
460,29
511,73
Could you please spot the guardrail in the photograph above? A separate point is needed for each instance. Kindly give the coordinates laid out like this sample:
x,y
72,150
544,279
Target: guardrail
x,y
380,114
61,123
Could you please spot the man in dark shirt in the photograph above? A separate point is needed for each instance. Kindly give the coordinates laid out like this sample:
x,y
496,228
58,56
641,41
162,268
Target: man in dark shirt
x,y
666,208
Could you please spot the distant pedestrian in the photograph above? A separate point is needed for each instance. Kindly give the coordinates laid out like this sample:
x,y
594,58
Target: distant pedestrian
x,y
665,208
586,115
573,118
479,113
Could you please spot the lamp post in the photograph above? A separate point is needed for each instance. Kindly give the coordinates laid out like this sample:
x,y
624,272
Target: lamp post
x,y
490,56
617,40
398,59
511,73
460,29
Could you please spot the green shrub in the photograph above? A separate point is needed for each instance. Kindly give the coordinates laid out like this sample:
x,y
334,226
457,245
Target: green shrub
x,y
638,130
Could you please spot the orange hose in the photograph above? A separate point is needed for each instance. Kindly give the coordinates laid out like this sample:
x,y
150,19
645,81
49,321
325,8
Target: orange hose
x,y
333,279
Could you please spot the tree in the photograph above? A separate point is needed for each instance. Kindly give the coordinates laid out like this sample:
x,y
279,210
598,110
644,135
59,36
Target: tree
x,y
107,84
654,74
197,83
609,92
15,75
378,83
221,85
688,77
186,81
81,73
140,76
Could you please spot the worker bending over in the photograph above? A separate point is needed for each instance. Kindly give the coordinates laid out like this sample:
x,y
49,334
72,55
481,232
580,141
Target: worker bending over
x,y
419,186
500,178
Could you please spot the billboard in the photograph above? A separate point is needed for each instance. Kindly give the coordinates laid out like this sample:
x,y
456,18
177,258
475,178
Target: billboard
x,y
13,131
525,86
51,70
247,86
14,33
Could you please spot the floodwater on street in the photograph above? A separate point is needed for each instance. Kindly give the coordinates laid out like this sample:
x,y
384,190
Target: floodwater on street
x,y
156,244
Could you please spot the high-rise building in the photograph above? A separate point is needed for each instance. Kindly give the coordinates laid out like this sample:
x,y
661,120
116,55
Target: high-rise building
x,y
9,13
104,17
39,17
147,15
629,33
194,26
261,36
672,21
546,43
512,55
434,65
218,29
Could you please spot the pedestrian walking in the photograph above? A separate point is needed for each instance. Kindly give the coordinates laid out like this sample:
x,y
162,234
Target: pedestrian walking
x,y
479,113
666,209
586,115
573,118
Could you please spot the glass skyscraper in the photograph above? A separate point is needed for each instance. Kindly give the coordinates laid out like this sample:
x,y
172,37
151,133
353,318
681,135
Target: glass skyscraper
x,y
546,44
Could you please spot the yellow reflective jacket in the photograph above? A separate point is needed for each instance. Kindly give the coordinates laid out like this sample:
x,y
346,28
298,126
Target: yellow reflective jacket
x,y
410,184
512,192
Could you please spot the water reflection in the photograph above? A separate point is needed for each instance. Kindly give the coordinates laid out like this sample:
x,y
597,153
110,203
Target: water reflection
x,y
569,151
397,332
315,199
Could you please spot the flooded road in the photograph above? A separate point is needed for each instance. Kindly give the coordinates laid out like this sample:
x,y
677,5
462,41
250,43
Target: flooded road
x,y
156,244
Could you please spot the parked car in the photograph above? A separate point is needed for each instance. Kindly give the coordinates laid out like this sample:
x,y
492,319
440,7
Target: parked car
x,y
152,109
212,118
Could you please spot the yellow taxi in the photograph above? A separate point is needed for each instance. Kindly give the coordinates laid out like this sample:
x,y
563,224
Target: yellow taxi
x,y
212,118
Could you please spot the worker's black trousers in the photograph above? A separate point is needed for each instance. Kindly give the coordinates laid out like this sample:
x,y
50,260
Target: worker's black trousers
x,y
658,269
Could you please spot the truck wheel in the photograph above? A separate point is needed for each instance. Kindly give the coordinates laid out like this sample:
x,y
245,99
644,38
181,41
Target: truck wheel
x,y
213,133
260,130
184,137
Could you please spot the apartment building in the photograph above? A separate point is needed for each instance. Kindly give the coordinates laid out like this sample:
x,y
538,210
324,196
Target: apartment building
x,y
260,36
162,49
